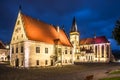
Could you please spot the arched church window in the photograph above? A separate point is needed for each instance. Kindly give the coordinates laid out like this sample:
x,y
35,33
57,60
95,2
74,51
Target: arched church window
x,y
99,50
95,51
107,50
102,50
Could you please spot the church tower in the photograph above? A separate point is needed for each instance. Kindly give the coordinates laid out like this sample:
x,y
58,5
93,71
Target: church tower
x,y
74,34
74,38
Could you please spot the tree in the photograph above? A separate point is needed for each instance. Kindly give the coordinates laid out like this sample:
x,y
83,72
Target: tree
x,y
116,32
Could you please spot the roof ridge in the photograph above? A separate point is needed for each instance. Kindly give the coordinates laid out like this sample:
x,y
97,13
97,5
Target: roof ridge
x,y
93,37
97,40
33,18
38,30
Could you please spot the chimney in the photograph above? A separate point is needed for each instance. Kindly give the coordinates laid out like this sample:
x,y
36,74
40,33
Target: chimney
x,y
58,28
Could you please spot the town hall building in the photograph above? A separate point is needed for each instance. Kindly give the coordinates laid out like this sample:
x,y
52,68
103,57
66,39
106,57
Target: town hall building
x,y
35,43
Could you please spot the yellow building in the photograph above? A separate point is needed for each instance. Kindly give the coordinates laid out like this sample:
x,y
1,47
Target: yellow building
x,y
35,43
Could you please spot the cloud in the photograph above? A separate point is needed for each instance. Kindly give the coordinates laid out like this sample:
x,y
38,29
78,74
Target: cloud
x,y
85,14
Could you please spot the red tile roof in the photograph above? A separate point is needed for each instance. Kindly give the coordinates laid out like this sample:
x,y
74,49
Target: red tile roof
x,y
97,40
39,31
2,46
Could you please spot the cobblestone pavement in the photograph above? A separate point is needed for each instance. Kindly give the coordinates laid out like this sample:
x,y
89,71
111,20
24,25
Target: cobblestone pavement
x,y
77,72
98,72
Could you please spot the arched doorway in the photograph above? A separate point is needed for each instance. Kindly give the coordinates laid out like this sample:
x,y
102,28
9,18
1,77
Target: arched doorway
x,y
52,63
17,62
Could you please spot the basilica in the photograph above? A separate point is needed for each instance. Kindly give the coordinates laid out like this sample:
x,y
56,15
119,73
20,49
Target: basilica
x,y
96,49
35,43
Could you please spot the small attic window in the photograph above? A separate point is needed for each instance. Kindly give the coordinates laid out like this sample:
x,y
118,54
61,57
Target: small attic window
x,y
18,22
22,35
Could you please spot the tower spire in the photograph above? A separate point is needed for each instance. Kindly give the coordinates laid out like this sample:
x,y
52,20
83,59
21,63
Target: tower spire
x,y
94,35
74,26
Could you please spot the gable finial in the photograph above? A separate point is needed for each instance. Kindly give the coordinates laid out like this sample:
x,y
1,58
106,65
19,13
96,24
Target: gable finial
x,y
20,8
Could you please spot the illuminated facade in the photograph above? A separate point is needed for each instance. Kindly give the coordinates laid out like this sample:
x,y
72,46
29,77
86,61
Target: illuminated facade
x,y
35,44
96,49
4,52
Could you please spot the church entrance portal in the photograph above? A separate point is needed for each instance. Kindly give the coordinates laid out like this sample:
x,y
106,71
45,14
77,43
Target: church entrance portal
x,y
17,62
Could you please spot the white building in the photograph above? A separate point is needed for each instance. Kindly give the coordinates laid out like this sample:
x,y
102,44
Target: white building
x,y
35,43
4,52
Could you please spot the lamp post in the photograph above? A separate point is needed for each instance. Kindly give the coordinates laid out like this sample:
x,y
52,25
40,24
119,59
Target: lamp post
x,y
8,55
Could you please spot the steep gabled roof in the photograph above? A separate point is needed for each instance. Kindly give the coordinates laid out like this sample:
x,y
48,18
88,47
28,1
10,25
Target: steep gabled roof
x,y
97,40
2,46
40,31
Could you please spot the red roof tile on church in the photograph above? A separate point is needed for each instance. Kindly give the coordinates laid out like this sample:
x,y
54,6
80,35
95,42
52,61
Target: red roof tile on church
x,y
39,31
97,40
